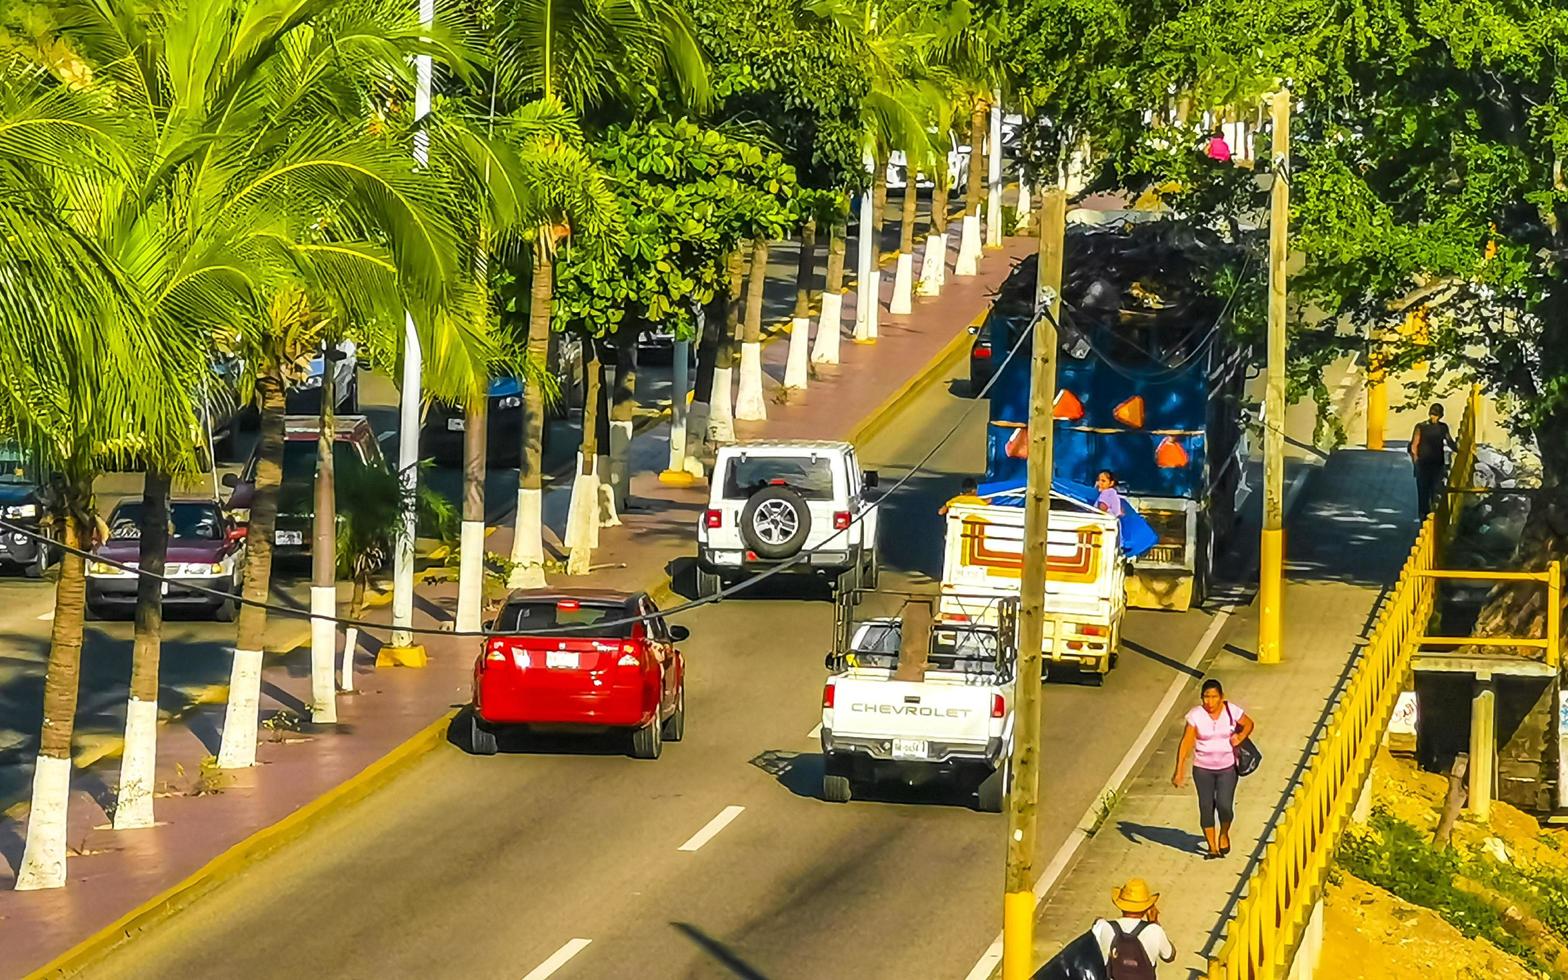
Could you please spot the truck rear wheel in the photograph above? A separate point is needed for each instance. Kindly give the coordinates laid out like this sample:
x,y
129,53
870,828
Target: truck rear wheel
x,y
836,789
993,791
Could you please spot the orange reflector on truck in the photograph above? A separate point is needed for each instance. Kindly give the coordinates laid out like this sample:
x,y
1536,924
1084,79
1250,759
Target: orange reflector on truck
x,y
1130,412
1170,455
1067,406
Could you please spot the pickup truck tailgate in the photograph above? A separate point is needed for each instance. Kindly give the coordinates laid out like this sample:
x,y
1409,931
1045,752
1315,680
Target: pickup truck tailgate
x,y
900,709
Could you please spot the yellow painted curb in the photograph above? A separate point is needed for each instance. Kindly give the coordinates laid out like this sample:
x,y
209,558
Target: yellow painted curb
x,y
234,860
926,376
409,656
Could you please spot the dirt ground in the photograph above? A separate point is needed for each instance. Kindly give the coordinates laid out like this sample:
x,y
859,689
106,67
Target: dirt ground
x,y
1371,935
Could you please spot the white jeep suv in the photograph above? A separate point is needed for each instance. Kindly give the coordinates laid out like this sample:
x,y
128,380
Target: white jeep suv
x,y
799,502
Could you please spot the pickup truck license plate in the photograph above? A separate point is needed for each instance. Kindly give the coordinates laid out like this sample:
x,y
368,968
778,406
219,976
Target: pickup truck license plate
x,y
289,537
455,425
910,748
558,658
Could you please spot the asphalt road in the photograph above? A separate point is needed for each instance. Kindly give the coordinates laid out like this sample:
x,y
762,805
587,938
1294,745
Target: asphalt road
x,y
501,867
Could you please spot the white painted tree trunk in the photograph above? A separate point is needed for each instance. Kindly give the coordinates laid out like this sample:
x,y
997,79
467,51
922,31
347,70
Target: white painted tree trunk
x,y
825,350
874,312
867,303
797,367
43,857
968,263
323,655
697,444
750,405
679,409
581,517
470,576
528,541
620,467
933,265
350,647
138,766
242,714
721,411
1023,205
993,160
609,513
903,286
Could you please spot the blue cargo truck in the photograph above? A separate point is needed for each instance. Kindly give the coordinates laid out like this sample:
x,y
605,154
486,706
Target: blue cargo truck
x,y
1152,394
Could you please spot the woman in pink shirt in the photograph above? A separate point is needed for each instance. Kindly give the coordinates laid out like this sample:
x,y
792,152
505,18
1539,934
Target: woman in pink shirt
x,y
1214,729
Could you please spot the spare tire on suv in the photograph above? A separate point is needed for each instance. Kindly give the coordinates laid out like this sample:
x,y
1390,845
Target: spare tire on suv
x,y
775,522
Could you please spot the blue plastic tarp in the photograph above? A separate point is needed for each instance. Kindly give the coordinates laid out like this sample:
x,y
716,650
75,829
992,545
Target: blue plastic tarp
x,y
1136,533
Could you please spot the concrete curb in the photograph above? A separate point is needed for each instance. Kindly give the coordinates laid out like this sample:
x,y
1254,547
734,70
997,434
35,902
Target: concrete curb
x,y
237,858
268,839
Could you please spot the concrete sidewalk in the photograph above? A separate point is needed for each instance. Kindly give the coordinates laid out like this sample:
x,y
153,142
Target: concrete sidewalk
x,y
1345,545
212,824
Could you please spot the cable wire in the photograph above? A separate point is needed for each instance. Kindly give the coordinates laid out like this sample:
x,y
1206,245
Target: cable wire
x,y
801,556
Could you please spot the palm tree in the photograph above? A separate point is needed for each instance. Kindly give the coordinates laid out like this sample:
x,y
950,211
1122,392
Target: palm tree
x,y
749,403
585,54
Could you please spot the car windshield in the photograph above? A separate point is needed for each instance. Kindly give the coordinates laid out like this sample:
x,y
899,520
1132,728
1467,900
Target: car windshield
x,y
572,617
191,521
811,477
299,460
963,644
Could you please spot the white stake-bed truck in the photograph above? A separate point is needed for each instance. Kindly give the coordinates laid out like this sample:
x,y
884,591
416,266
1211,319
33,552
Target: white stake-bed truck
x,y
1085,578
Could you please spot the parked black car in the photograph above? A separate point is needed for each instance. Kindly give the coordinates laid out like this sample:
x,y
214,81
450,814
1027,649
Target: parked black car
x,y
22,507
446,425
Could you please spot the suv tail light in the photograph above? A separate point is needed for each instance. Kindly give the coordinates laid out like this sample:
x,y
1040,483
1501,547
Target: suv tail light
x,y
998,706
827,695
981,353
841,520
714,518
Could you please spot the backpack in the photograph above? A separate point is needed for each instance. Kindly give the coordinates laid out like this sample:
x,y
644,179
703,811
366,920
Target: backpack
x,y
1128,959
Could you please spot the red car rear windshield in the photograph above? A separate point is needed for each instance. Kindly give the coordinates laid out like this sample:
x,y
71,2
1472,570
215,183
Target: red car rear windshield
x,y
571,617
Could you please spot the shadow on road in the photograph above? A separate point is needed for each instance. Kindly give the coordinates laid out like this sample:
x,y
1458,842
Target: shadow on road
x,y
1172,837
801,774
720,952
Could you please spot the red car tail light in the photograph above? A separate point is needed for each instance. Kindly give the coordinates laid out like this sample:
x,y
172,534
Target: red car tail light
x,y
714,518
998,706
1088,630
827,695
981,353
568,605
841,520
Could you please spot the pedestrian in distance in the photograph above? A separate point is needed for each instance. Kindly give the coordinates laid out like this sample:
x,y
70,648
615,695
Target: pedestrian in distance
x,y
968,493
1217,149
1133,943
1109,500
1214,729
1429,445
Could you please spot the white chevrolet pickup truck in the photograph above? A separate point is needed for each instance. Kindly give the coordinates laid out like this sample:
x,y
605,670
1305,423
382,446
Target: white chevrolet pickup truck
x,y
956,723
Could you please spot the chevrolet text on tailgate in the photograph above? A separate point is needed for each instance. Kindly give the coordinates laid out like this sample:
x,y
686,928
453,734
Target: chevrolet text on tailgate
x,y
890,713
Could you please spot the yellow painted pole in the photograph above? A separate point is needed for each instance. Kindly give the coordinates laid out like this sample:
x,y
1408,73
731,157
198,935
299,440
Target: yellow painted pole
x,y
1023,800
1554,614
1271,547
1377,401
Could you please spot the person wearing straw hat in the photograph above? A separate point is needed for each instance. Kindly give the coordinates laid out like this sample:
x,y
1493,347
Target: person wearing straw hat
x,y
1133,943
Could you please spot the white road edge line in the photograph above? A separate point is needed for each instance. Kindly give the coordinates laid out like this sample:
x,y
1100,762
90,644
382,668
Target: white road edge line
x,y
558,959
712,828
815,732
993,954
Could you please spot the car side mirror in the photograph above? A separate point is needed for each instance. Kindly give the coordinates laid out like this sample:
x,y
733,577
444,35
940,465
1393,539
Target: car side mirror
x,y
230,480
238,533
828,660
680,634
974,330
870,479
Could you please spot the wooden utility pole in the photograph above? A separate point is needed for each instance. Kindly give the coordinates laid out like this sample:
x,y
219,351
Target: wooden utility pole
x,y
1271,580
1022,806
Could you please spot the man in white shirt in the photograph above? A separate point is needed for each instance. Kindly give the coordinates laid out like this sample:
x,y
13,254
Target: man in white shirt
x,y
1141,917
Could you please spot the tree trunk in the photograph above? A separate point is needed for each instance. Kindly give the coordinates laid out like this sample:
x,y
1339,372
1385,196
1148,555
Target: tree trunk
x,y
623,412
138,765
242,713
608,514
878,206
471,538
528,529
750,405
830,327
43,856
584,511
324,560
698,443
721,405
797,366
933,264
902,303
977,158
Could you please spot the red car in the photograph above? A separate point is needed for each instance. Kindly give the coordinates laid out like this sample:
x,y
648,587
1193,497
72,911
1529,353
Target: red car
x,y
583,660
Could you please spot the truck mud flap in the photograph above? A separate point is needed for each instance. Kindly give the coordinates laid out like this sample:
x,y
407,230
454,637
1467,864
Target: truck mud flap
x,y
1161,590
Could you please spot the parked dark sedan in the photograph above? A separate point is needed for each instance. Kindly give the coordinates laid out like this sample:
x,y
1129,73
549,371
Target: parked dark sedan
x,y
21,507
446,425
206,549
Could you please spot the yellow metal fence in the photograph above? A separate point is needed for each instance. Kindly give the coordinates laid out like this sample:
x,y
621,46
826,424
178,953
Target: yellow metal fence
x,y
1270,919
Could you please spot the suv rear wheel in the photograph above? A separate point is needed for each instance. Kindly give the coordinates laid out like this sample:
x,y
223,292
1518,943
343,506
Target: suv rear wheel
x,y
775,522
836,789
708,583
